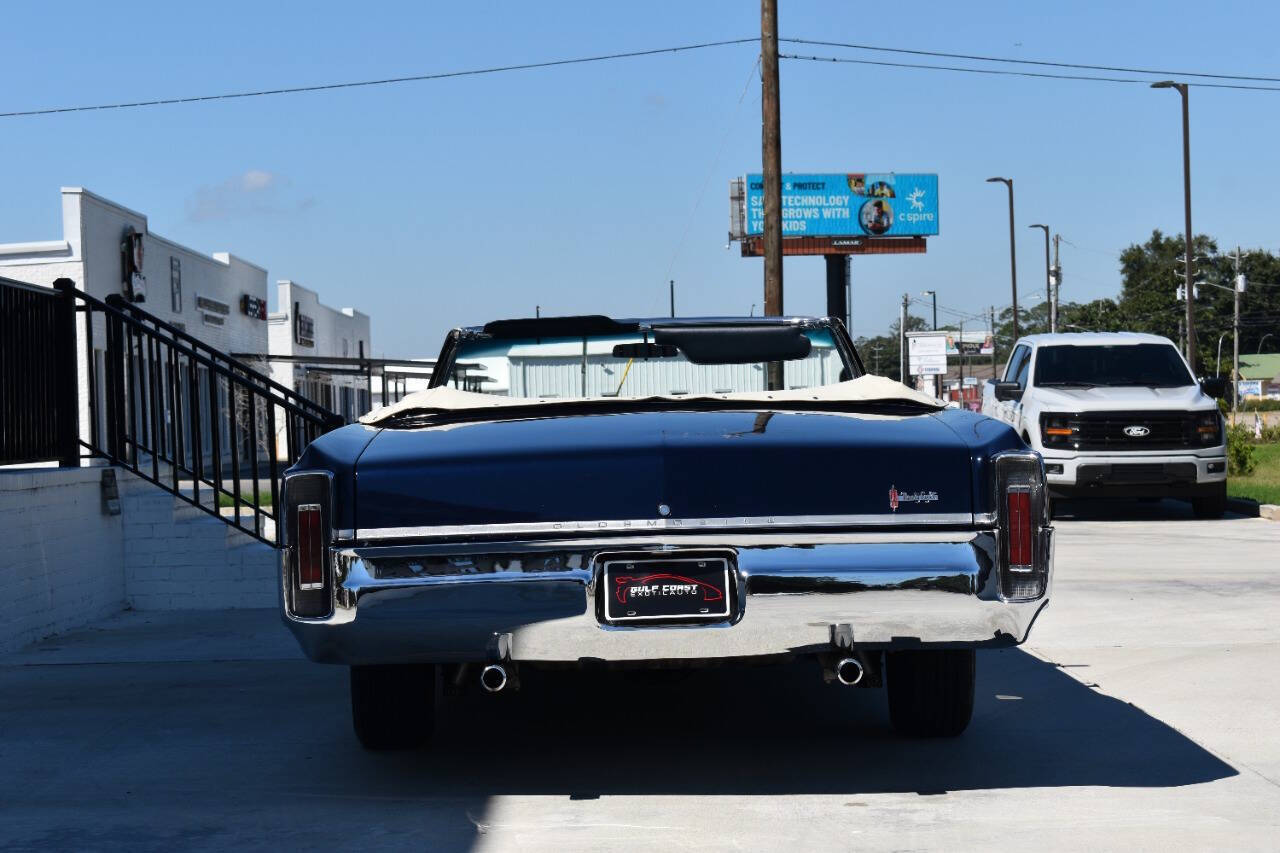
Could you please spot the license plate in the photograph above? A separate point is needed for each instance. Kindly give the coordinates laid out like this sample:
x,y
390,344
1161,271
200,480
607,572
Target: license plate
x,y
670,589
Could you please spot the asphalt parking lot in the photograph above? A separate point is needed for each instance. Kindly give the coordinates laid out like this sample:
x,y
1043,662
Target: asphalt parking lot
x,y
1142,715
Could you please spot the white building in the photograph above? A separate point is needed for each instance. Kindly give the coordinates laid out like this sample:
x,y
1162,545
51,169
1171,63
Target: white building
x,y
314,339
208,296
107,249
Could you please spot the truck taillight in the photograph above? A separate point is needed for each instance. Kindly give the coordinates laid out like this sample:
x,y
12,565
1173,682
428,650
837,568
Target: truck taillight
x,y
1025,537
306,523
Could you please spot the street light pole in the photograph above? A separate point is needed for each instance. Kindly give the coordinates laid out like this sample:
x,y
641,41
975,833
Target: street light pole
x,y
937,380
1186,201
1048,281
1013,255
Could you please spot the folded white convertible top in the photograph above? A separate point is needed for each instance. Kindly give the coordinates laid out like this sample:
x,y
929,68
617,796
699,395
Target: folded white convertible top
x,y
863,389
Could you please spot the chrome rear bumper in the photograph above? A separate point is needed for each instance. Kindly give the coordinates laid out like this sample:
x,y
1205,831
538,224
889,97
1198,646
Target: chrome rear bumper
x,y
536,601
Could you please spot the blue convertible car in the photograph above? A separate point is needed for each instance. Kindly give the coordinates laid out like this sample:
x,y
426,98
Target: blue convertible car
x,y
653,493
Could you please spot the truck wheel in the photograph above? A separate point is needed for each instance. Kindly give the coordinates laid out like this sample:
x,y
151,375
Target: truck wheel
x,y
1211,506
931,691
393,706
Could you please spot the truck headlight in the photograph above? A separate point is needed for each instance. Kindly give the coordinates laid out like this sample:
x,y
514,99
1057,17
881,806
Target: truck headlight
x,y
1209,428
1057,431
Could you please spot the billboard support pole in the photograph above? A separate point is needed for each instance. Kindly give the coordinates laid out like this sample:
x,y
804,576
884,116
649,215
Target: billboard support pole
x,y
837,279
772,157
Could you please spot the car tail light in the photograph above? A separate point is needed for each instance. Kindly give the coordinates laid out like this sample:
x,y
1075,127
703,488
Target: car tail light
x,y
307,527
1024,534
308,521
1018,499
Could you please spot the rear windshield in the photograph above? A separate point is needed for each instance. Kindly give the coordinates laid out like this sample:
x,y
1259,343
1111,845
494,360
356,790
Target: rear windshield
x,y
1150,365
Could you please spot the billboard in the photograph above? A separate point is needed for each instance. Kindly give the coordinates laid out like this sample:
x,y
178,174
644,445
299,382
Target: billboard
x,y
927,353
874,204
970,343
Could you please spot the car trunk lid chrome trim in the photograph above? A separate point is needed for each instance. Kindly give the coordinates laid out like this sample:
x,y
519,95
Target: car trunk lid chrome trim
x,y
652,525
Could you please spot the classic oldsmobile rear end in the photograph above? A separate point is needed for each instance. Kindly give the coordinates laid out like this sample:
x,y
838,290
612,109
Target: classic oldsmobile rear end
x,y
855,522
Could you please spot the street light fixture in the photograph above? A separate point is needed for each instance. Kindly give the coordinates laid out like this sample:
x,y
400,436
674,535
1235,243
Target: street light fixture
x,y
1013,255
1264,337
1048,282
934,294
1182,90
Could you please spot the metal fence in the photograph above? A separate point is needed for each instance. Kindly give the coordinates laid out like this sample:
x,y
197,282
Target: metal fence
x,y
37,376
198,423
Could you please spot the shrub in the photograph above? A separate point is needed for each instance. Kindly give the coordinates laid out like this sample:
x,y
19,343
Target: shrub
x,y
1240,456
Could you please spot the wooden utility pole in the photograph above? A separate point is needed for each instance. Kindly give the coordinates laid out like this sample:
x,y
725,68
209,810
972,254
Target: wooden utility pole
x,y
771,149
1057,285
994,343
1237,286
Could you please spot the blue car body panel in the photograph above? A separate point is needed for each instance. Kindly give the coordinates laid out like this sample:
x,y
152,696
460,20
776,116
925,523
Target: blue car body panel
x,y
623,465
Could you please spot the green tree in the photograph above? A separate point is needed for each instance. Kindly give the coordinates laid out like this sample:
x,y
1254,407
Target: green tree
x,y
1150,275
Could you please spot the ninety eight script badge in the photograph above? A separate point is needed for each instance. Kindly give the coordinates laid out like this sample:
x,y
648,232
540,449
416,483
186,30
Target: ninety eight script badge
x,y
896,497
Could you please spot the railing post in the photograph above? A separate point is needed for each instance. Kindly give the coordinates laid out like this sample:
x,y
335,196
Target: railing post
x,y
67,402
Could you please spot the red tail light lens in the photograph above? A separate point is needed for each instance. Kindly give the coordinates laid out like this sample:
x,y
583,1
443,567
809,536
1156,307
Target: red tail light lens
x,y
1020,529
310,539
1024,536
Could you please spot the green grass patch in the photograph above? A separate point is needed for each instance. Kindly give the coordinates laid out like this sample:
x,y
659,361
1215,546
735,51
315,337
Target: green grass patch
x,y
246,499
1263,485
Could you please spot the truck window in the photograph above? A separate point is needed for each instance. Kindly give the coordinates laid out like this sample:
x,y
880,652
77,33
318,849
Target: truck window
x,y
1015,362
1144,365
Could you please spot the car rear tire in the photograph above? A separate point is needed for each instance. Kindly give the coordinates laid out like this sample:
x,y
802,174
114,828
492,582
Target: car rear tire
x,y
931,691
393,706
1211,506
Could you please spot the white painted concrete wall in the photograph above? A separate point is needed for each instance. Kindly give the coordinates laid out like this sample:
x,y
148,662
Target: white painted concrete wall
x,y
66,563
62,564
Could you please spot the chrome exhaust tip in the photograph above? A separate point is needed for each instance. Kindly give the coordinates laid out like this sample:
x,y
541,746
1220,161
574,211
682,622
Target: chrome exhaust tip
x,y
849,671
493,678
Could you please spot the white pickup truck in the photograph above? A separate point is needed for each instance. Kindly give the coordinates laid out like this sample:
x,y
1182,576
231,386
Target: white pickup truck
x,y
1115,414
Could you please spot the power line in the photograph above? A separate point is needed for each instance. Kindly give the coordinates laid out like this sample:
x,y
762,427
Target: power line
x,y
323,87
474,72
1039,62
1006,73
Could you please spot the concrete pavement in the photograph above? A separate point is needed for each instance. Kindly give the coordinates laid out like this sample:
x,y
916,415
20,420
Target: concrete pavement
x,y
1141,716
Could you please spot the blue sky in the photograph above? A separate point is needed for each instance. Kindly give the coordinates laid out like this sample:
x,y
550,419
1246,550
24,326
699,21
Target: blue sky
x,y
584,189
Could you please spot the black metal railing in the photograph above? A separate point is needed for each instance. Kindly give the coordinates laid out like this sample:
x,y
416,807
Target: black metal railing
x,y
159,402
37,376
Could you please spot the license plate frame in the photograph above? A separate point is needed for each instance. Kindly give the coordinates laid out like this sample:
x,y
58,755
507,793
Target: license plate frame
x,y
666,579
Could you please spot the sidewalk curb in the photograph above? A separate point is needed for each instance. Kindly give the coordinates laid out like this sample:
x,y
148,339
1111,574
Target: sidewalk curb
x,y
1253,509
